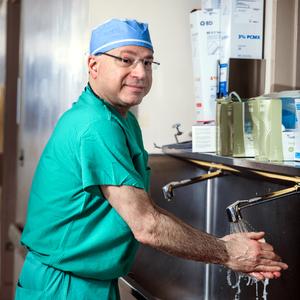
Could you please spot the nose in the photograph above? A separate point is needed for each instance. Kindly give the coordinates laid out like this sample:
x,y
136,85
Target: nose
x,y
138,70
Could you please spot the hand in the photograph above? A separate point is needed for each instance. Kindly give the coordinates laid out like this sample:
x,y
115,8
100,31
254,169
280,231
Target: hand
x,y
248,254
264,275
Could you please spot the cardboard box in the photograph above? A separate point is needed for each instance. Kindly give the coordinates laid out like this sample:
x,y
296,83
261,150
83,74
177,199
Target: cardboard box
x,y
205,41
242,28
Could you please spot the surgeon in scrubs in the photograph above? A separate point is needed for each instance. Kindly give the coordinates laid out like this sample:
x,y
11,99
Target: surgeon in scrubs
x,y
89,207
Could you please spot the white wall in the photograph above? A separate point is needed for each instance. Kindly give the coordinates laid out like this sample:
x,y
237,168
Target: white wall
x,y
171,99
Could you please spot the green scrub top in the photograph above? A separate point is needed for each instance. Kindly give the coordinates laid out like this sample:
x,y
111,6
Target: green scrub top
x,y
70,225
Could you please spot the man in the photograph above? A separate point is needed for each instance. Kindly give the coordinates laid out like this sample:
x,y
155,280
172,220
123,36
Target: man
x,y
89,206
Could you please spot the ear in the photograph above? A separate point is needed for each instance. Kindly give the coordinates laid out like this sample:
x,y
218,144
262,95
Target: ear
x,y
93,66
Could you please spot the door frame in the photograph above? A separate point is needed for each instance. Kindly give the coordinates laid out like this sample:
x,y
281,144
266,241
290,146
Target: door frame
x,y
9,158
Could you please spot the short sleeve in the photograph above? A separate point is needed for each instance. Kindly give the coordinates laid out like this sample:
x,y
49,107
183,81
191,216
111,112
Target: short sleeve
x,y
105,158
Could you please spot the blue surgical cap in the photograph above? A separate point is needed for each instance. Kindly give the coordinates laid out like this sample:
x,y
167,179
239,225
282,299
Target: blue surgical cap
x,y
116,33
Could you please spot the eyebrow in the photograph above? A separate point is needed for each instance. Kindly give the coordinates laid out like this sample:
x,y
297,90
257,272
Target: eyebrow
x,y
134,53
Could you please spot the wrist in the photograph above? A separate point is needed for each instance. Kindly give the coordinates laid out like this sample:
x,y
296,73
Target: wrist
x,y
224,253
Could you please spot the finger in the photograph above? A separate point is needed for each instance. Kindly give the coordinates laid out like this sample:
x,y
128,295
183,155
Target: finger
x,y
255,235
270,255
264,269
277,274
257,275
268,268
269,275
273,263
266,246
265,275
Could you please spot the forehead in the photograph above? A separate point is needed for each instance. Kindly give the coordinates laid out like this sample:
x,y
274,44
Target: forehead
x,y
133,50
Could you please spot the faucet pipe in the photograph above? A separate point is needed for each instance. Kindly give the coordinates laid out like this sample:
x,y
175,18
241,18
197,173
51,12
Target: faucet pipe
x,y
234,210
168,189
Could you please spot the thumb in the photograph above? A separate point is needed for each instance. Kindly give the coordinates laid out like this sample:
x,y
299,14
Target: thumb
x,y
255,235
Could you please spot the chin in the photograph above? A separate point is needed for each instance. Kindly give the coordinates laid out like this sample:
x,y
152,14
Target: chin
x,y
132,101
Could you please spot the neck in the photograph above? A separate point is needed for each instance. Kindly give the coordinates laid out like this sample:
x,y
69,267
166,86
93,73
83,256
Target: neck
x,y
120,109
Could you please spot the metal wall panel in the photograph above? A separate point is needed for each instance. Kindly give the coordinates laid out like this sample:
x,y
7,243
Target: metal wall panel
x,y
279,219
52,75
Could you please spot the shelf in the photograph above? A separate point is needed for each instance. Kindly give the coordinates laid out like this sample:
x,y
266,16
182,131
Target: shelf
x,y
288,168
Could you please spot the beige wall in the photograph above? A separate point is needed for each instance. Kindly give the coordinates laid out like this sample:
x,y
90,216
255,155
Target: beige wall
x,y
171,99
281,45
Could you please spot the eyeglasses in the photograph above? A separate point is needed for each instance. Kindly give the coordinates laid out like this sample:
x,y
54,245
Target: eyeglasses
x,y
131,62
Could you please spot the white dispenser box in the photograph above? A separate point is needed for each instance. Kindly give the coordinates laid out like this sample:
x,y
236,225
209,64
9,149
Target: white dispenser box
x,y
297,146
204,138
297,133
289,145
205,41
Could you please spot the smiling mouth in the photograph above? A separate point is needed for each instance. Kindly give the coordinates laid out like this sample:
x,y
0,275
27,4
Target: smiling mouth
x,y
135,87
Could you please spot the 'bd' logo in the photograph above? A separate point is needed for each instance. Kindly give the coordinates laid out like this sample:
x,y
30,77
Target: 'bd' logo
x,y
206,23
249,37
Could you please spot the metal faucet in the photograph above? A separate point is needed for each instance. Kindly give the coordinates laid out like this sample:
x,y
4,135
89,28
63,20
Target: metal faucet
x,y
178,132
234,210
168,189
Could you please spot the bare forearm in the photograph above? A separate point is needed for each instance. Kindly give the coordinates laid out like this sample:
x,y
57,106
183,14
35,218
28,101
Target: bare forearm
x,y
160,229
175,237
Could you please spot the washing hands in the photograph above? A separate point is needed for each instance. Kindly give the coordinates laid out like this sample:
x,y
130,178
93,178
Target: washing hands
x,y
249,253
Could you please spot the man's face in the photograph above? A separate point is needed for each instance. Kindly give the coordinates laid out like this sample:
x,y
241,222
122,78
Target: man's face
x,y
122,86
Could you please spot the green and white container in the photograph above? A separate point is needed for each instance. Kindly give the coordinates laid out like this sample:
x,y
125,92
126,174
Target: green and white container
x,y
276,125
234,127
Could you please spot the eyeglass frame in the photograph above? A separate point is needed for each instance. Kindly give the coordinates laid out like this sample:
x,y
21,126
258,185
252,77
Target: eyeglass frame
x,y
135,62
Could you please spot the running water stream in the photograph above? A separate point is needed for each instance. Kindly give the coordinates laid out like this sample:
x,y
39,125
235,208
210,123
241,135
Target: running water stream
x,y
237,227
249,281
